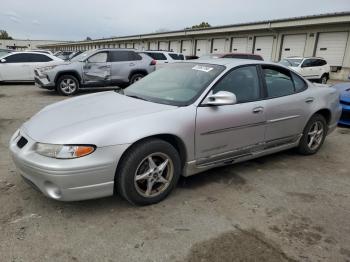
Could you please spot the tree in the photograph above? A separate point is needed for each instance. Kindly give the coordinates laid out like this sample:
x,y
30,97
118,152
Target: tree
x,y
88,38
201,25
4,35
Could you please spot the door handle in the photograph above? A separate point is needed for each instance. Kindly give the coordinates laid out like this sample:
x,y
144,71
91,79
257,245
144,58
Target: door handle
x,y
258,109
309,100
131,64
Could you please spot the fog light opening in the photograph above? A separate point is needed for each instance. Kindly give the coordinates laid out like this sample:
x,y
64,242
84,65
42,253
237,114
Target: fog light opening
x,y
52,190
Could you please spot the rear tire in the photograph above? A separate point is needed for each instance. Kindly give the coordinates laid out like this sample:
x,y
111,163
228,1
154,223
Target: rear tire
x,y
67,85
324,79
148,172
136,77
314,135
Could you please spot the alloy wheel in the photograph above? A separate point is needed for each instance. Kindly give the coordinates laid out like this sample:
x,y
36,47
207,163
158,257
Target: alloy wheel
x,y
68,86
315,135
154,174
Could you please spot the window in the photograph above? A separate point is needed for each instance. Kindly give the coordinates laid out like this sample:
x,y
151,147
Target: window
x,y
243,82
134,56
176,56
156,56
98,58
120,56
27,58
299,83
310,63
278,82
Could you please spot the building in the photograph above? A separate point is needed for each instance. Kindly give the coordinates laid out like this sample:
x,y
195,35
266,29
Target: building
x,y
21,45
325,35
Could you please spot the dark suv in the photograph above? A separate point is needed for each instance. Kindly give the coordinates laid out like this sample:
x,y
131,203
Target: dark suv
x,y
95,68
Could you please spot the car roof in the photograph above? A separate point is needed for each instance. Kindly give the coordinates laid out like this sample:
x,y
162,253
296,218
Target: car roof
x,y
307,57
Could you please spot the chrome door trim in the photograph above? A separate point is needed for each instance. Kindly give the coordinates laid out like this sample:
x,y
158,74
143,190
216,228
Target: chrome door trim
x,y
232,128
282,119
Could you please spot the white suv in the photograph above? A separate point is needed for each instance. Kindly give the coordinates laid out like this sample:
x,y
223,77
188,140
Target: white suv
x,y
312,68
164,57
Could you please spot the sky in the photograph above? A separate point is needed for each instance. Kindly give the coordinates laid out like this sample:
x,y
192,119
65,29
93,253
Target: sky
x,y
78,19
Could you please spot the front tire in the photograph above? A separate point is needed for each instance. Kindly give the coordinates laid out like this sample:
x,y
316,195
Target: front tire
x,y
67,85
148,172
314,135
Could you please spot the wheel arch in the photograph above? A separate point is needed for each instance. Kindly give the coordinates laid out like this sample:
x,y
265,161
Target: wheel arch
x,y
172,139
137,71
68,72
325,112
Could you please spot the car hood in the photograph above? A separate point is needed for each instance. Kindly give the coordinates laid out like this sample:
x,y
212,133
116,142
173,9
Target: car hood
x,y
70,120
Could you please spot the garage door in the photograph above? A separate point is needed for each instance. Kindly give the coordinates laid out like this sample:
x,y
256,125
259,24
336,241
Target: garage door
x,y
239,45
293,45
129,45
175,46
219,45
122,45
331,46
164,46
202,47
186,47
153,46
263,47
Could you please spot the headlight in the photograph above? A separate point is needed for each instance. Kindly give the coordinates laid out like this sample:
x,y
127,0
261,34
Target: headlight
x,y
64,151
46,68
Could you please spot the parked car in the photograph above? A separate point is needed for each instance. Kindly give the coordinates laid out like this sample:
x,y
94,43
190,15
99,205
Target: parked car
x,y
344,91
95,68
4,52
312,68
164,57
233,55
191,57
19,66
181,120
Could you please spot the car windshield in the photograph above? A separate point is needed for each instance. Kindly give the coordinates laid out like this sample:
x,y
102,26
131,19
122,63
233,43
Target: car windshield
x,y
82,56
178,84
295,62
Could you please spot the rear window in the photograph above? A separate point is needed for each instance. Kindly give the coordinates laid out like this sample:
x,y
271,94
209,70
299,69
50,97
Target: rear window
x,y
156,56
176,56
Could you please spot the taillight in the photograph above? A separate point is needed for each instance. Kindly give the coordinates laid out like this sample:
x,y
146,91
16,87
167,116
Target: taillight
x,y
153,62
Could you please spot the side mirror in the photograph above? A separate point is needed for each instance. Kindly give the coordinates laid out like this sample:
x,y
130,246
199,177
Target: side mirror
x,y
3,60
221,98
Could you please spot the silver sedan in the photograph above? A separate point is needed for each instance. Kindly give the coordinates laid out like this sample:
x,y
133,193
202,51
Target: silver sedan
x,y
180,120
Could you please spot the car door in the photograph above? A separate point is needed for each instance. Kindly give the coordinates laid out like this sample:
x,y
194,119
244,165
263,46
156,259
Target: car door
x,y
35,61
287,104
231,130
309,68
15,67
97,69
122,63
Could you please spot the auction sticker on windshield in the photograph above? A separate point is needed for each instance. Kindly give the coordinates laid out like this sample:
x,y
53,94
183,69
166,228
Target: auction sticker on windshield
x,y
202,68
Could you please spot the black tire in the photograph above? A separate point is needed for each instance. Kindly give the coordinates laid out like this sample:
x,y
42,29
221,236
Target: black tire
x,y
304,147
324,78
133,161
65,80
135,77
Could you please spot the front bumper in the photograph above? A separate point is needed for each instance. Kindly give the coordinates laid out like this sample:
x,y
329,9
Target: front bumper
x,y
82,178
42,80
345,116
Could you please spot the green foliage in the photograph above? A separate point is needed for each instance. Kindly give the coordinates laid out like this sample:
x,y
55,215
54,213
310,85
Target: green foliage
x,y
4,35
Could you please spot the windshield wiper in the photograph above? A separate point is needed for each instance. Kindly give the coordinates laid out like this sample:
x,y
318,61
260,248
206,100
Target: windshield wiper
x,y
137,97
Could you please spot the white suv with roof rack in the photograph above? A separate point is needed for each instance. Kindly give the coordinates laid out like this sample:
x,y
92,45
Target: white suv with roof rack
x,y
312,68
164,57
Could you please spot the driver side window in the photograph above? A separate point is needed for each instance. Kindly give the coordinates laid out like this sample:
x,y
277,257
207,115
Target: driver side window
x,y
98,58
243,82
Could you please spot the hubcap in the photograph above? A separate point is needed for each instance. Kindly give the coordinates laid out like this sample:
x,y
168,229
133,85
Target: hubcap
x,y
154,174
68,86
315,135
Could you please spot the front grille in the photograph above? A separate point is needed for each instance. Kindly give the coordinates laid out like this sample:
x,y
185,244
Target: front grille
x,y
22,142
345,115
